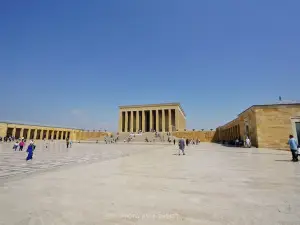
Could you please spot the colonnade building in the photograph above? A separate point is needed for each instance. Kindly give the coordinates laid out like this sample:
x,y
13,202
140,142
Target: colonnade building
x,y
37,132
166,117
267,126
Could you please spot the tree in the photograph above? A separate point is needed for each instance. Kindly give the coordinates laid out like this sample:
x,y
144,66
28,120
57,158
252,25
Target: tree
x,y
202,129
211,129
193,129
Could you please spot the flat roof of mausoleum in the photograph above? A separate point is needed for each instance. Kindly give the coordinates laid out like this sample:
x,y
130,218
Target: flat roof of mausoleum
x,y
153,105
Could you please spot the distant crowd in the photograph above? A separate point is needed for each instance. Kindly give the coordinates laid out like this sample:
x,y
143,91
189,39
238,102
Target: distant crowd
x,y
238,142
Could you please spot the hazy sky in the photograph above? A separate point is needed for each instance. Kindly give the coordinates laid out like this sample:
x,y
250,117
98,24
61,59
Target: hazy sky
x,y
72,63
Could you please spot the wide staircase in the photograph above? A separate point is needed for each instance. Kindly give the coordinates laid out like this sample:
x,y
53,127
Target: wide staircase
x,y
160,138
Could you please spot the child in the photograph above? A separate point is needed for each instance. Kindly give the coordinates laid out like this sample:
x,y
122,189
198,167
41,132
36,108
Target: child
x,y
16,145
30,150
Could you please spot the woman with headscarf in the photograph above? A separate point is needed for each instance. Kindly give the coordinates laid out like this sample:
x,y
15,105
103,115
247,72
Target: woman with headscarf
x,y
30,150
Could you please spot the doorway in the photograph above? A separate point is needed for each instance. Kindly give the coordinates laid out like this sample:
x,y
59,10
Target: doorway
x,y
298,131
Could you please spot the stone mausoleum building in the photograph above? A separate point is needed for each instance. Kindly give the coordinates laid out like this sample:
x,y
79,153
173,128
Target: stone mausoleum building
x,y
166,117
267,126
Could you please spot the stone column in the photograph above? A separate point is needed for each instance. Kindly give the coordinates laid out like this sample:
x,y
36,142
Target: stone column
x,y
157,121
47,134
176,119
131,121
14,132
151,121
143,121
126,121
28,134
35,133
120,122
163,121
42,134
21,132
170,120
137,121
62,135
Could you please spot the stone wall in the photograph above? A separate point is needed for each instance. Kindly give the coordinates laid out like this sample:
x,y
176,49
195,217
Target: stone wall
x,y
3,128
181,122
274,125
92,135
269,125
37,132
204,136
249,116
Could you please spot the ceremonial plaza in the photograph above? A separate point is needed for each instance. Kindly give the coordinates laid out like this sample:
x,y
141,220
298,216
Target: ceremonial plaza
x,y
138,182
267,126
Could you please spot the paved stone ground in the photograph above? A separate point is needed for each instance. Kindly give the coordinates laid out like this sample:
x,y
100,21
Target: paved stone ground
x,y
51,155
148,184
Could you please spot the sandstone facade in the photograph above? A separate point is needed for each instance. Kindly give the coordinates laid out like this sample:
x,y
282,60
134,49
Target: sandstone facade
x,y
39,132
166,117
203,136
268,126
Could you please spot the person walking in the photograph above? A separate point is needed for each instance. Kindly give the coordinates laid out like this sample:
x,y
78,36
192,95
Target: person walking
x,y
187,142
21,144
248,143
30,150
293,146
16,145
67,142
181,145
174,141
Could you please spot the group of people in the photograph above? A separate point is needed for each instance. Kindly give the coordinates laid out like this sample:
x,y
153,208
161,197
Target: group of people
x,y
30,148
188,141
239,142
110,140
20,144
7,139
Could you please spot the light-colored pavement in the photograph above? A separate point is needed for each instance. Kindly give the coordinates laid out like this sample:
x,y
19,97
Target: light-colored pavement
x,y
148,184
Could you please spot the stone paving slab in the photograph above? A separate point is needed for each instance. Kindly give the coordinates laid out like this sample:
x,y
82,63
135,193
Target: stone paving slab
x,y
141,184
56,155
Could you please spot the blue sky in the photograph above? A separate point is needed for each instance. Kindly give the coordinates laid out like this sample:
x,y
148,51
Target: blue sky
x,y
72,63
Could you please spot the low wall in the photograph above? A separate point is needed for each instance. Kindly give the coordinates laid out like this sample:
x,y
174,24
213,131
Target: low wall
x,y
92,135
204,136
